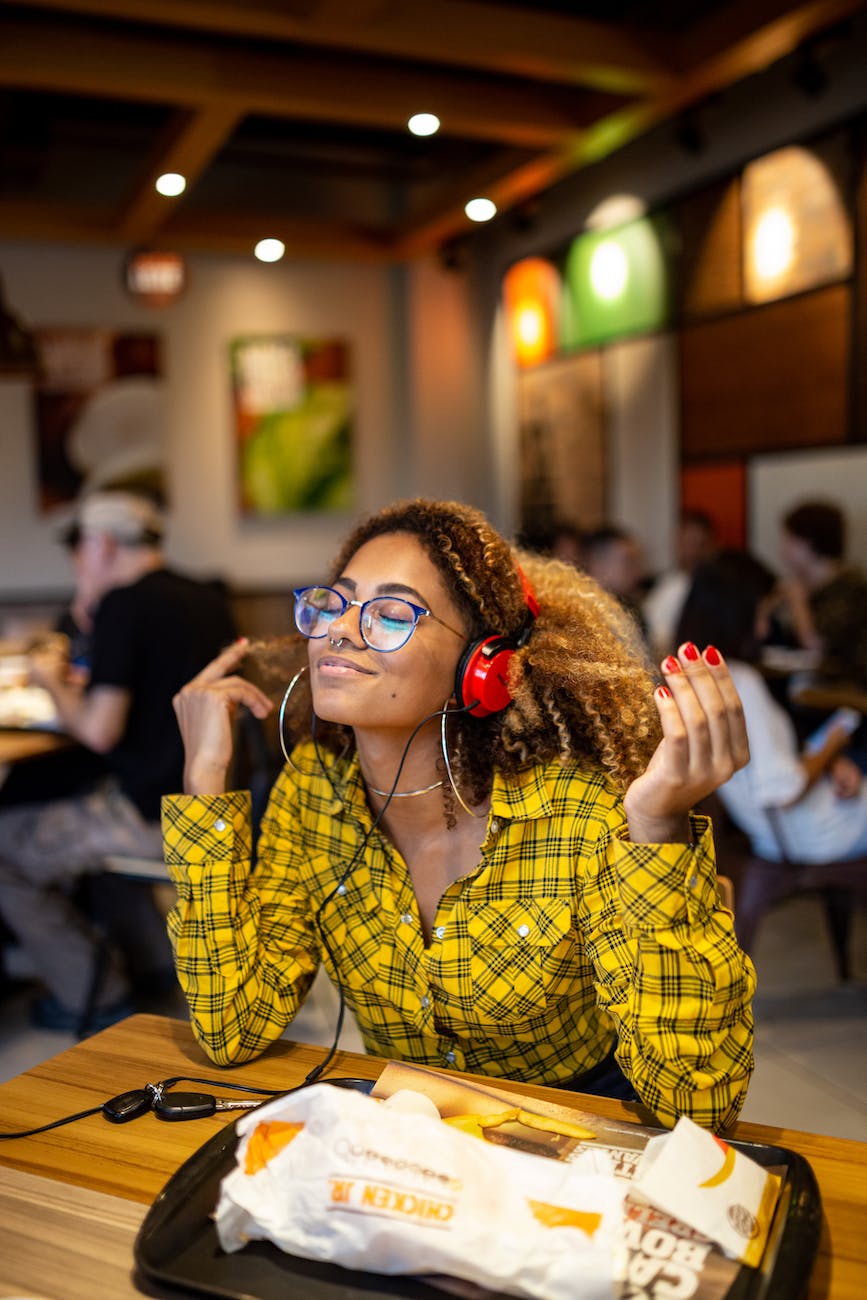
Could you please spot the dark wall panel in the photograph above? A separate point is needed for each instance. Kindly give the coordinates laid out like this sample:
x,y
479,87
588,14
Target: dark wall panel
x,y
771,378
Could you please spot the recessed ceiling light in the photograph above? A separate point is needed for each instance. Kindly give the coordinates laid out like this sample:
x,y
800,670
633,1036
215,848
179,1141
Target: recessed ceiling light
x,y
424,124
270,250
481,209
171,184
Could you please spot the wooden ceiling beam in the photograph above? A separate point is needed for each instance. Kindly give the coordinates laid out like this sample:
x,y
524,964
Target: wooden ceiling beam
x,y
189,149
748,35
746,38
68,58
195,232
517,42
238,234
515,185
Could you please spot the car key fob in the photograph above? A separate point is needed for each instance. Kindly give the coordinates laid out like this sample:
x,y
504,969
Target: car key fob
x,y
128,1105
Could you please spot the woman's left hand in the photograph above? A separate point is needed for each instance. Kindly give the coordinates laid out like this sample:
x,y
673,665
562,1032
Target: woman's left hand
x,y
704,741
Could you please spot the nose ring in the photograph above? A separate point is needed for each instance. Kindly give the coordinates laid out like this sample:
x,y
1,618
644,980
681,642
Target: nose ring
x,y
337,644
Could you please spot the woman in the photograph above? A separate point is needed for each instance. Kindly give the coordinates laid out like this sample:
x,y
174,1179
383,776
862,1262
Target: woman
x,y
807,805
514,894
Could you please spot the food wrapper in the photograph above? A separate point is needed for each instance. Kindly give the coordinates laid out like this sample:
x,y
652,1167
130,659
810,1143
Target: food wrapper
x,y
331,1174
707,1184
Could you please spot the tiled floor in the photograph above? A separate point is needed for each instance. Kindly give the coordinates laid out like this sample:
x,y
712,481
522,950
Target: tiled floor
x,y
811,1036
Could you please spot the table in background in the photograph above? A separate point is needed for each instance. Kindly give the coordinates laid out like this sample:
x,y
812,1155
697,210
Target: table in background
x,y
82,1243
21,746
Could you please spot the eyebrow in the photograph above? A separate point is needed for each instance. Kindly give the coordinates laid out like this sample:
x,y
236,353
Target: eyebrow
x,y
387,589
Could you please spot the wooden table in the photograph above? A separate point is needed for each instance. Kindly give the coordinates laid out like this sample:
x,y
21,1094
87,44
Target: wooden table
x,y
20,746
830,697
121,1168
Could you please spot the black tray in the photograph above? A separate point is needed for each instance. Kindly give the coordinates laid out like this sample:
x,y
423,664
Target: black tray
x,y
177,1250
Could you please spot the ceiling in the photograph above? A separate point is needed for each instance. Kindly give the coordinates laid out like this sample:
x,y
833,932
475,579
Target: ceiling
x,y
288,117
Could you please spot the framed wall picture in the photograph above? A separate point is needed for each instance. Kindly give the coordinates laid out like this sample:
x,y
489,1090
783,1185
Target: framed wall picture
x,y
99,412
294,413
562,445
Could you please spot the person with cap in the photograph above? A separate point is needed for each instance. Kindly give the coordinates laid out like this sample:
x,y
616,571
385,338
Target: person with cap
x,y
152,629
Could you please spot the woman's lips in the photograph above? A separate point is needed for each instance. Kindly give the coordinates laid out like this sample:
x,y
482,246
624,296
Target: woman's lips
x,y
334,666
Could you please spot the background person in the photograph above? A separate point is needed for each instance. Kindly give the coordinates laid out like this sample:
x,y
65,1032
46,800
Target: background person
x,y
152,628
808,804
613,556
696,543
825,598
520,894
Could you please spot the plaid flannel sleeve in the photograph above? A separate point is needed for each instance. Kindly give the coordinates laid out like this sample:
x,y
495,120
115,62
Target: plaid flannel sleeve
x,y
245,945
670,973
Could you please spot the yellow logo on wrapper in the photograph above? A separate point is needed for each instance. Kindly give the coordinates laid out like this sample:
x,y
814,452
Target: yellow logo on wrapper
x,y
731,1202
266,1141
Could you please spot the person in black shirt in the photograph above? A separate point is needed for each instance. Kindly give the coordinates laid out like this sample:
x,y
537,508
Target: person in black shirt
x,y
152,629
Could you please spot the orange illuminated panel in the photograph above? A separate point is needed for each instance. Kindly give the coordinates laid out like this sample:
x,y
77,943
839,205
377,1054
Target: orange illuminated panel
x,y
531,293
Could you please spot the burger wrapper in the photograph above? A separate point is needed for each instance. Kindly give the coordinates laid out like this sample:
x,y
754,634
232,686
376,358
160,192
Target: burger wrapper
x,y
707,1184
330,1174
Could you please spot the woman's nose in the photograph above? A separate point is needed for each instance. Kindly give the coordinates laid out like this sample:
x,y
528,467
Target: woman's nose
x,y
347,625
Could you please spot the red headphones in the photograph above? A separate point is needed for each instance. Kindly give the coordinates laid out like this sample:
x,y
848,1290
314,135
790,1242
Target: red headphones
x,y
481,677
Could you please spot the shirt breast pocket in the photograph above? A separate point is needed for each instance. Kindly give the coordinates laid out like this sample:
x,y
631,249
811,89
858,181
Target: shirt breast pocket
x,y
519,949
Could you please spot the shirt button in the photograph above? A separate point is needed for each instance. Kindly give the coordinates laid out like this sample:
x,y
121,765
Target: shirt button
x,y
219,825
495,826
425,1002
451,1058
406,918
523,931
440,932
341,889
693,881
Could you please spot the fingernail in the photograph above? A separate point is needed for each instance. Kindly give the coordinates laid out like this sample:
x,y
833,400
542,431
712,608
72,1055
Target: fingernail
x,y
712,656
670,665
663,692
690,652
242,640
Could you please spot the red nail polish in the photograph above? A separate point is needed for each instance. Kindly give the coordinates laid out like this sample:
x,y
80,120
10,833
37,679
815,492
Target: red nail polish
x,y
670,665
712,656
690,652
663,692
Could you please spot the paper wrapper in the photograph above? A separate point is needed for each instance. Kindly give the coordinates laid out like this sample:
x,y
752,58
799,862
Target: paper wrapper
x,y
330,1174
710,1186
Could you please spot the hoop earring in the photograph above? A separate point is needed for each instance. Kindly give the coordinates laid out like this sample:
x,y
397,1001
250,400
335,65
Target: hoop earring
x,y
289,689
445,750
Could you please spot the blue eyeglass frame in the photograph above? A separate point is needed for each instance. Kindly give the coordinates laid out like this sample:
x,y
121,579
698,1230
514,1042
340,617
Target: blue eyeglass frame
x,y
418,611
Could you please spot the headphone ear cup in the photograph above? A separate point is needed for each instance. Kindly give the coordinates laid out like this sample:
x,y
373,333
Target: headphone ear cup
x,y
482,674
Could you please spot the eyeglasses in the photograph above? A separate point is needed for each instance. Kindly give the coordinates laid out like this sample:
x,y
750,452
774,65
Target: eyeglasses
x,y
386,622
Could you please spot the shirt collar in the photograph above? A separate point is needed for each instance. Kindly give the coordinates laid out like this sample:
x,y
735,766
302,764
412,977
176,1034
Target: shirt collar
x,y
521,796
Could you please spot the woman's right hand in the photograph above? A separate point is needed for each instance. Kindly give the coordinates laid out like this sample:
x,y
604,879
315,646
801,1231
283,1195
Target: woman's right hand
x,y
205,709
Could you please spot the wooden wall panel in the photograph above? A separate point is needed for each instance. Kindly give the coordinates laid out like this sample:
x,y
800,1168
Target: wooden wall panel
x,y
859,369
710,264
771,378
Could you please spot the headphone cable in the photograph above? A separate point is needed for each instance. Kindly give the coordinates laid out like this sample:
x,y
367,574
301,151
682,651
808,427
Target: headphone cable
x,y
319,1070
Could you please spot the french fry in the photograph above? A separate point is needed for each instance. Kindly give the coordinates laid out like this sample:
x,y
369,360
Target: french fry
x,y
476,1124
564,1127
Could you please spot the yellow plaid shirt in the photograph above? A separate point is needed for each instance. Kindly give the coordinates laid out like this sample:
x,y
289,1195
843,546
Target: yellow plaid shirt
x,y
564,938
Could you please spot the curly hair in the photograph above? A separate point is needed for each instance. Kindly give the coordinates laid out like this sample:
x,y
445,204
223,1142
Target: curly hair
x,y
580,684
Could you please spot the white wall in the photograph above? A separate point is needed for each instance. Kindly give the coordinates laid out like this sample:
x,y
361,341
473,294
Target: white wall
x,y
388,315
640,385
775,484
